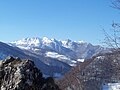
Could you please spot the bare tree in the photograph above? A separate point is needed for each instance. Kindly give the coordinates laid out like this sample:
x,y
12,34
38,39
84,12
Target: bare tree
x,y
112,39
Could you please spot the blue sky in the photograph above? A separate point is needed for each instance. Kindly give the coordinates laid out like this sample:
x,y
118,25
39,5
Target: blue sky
x,y
61,19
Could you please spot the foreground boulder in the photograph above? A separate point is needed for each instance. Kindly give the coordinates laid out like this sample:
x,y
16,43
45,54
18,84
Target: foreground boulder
x,y
17,74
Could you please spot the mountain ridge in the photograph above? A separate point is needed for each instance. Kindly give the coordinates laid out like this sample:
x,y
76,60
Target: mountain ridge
x,y
59,46
51,54
36,42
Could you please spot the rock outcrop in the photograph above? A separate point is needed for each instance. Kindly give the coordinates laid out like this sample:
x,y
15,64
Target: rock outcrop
x,y
17,74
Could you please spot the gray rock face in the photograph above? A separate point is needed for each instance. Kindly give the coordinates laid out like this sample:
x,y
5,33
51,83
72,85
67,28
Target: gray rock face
x,y
16,74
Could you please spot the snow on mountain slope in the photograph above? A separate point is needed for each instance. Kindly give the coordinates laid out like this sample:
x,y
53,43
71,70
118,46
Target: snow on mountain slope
x,y
48,66
6,50
56,55
29,43
62,58
50,54
72,44
80,60
26,43
71,49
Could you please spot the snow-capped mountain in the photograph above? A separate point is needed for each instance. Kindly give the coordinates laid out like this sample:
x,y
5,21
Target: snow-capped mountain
x,y
35,42
49,66
53,57
71,49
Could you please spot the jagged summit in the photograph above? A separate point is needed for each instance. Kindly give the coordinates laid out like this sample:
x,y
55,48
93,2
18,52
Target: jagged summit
x,y
17,74
28,43
51,53
72,51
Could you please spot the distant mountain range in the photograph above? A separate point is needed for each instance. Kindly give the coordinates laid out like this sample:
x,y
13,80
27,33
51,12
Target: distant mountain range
x,y
53,57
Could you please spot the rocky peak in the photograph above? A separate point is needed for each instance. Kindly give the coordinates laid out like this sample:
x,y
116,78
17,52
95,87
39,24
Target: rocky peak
x,y
17,74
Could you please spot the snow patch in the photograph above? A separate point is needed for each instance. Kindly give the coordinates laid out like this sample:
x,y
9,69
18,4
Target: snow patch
x,y
72,64
74,61
61,58
100,57
111,86
56,55
80,60
46,40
